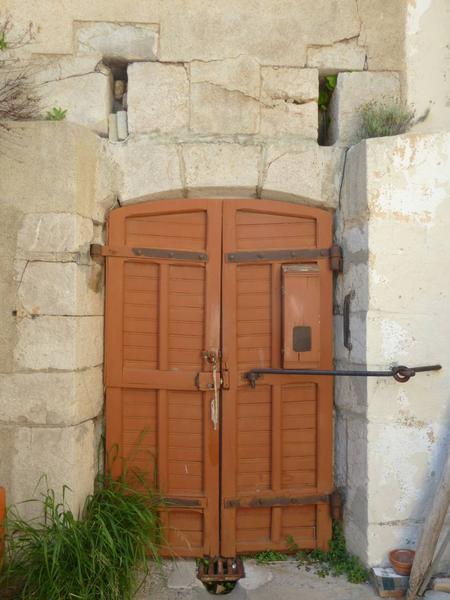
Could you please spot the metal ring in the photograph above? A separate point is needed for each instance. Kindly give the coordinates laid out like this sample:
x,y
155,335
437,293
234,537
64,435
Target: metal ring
x,y
402,374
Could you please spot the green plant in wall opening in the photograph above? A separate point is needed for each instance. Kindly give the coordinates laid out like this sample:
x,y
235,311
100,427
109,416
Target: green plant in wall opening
x,y
337,561
56,114
326,88
100,556
379,119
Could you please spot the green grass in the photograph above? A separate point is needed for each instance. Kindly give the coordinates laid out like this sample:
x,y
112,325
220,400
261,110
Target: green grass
x,y
337,561
268,556
381,119
100,556
56,114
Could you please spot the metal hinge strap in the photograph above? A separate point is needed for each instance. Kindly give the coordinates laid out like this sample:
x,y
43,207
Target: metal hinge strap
x,y
97,250
334,254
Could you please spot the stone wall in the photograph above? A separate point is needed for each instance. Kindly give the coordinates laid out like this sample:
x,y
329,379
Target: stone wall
x,y
51,392
222,101
392,438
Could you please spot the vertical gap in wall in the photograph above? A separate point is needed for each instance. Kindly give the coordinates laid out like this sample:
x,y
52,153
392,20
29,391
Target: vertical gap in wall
x,y
327,85
118,125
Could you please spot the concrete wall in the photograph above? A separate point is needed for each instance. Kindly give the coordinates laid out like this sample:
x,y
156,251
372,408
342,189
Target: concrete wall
x,y
392,438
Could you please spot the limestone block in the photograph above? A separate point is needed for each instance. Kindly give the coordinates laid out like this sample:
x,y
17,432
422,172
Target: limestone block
x,y
51,398
289,101
50,457
241,74
87,99
51,288
354,188
304,171
217,31
221,168
352,91
383,32
158,98
50,167
215,109
143,168
55,27
343,56
57,67
44,233
288,84
59,343
290,118
125,41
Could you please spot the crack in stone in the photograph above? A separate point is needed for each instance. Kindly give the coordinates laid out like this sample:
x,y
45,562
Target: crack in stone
x,y
182,165
227,89
341,184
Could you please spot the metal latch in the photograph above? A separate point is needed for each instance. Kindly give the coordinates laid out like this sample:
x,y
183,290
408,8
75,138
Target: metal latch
x,y
204,381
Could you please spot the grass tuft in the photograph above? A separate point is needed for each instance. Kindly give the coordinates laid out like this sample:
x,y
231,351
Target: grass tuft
x,y
381,119
337,561
101,556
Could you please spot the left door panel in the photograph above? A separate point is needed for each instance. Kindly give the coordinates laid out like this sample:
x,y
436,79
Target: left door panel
x,y
162,314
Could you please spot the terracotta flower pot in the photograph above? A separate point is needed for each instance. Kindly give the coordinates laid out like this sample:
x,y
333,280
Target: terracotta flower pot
x,y
401,560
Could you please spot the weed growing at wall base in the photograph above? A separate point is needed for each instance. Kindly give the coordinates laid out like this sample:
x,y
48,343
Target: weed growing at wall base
x,y
96,557
337,561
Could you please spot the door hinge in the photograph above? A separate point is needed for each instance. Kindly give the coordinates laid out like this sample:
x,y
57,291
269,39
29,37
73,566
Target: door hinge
x,y
336,259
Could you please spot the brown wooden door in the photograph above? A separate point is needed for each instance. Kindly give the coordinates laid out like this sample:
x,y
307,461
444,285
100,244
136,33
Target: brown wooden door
x,y
276,438
173,293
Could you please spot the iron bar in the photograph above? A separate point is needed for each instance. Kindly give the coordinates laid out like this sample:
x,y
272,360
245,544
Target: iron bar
x,y
401,373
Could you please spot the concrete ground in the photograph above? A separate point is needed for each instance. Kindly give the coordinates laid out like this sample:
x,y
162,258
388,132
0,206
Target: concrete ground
x,y
176,580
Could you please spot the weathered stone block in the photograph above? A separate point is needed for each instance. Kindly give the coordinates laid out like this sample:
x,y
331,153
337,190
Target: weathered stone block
x,y
54,68
288,84
304,171
353,90
383,32
50,457
343,56
211,32
143,168
217,110
65,343
52,288
87,99
289,101
50,167
290,118
43,233
221,168
241,74
124,41
51,398
158,98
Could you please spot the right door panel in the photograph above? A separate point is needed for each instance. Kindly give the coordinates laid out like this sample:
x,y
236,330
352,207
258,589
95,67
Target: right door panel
x,y
276,438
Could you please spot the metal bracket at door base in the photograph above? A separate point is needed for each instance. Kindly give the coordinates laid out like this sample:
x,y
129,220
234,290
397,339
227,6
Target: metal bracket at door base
x,y
401,374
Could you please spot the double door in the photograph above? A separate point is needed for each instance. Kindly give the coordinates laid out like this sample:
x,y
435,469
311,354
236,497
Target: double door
x,y
199,293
